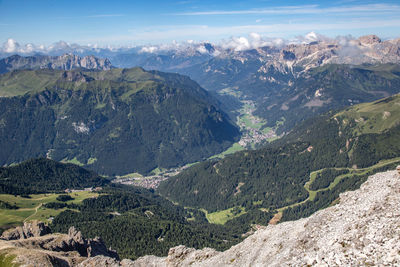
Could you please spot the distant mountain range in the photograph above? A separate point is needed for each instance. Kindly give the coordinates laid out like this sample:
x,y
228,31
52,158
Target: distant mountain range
x,y
300,77
294,58
287,83
64,62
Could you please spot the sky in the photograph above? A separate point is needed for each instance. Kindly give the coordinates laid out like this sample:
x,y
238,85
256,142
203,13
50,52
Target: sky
x,y
128,23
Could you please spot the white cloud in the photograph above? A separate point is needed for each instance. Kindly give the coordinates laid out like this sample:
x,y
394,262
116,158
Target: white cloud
x,y
237,43
11,46
149,49
310,37
201,49
253,41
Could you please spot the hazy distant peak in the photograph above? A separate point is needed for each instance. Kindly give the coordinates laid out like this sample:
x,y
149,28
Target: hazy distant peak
x,y
64,62
369,40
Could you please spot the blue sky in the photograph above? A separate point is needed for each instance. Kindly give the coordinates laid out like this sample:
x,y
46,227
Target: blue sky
x,y
119,22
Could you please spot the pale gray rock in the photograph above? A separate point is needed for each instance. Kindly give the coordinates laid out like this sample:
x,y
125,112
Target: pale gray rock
x,y
36,247
29,229
369,40
367,49
98,261
64,62
362,230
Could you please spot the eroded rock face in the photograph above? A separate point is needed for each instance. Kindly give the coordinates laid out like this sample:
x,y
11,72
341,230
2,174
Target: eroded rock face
x,y
367,49
34,246
64,62
71,76
29,229
369,40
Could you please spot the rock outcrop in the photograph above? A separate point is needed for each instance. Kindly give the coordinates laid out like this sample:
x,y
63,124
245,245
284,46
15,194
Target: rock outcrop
x,y
369,40
32,245
29,229
64,62
362,230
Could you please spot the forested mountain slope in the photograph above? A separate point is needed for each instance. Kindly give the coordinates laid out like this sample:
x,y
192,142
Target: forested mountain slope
x,y
44,175
336,151
293,95
358,231
115,122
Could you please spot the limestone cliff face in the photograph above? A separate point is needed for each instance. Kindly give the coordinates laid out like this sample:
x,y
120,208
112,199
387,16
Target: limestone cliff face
x,y
64,62
362,230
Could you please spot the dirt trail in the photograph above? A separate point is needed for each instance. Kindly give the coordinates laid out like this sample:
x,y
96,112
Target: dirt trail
x,y
311,193
36,210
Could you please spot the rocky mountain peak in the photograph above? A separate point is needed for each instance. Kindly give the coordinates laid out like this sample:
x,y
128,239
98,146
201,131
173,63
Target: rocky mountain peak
x,y
369,40
70,61
64,62
75,76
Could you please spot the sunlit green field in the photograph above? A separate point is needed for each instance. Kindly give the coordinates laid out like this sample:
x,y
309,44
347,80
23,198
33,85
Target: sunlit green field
x,y
32,208
222,216
234,148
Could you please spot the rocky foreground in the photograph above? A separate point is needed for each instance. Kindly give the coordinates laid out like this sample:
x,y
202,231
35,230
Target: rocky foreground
x,y
33,244
362,230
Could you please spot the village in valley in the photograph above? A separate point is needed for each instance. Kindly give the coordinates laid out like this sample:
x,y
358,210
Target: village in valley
x,y
254,134
252,127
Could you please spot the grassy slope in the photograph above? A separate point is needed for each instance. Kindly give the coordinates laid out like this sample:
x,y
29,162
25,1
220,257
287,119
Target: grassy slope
x,y
22,82
222,216
18,83
374,117
234,148
27,207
